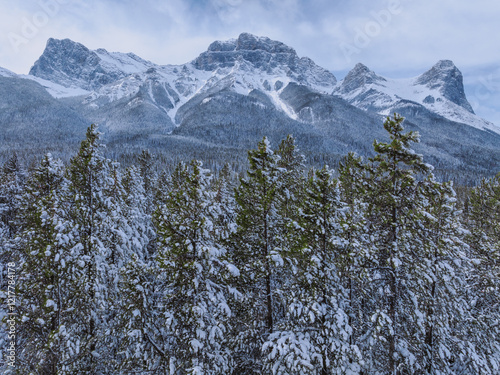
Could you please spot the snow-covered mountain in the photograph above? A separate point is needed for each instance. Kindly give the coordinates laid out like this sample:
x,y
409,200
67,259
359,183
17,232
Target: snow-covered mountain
x,y
244,65
71,64
440,90
248,64
241,89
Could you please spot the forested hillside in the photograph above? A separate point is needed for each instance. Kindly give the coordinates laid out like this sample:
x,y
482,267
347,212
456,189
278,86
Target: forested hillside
x,y
375,268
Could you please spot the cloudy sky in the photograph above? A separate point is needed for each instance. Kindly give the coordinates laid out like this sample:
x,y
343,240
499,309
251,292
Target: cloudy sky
x,y
395,38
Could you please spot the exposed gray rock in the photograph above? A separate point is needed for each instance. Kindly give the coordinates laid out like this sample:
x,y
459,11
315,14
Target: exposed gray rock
x,y
446,77
69,63
358,77
264,54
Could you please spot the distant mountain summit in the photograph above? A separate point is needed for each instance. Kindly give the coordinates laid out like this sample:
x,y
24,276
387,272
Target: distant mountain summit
x,y
448,80
234,93
71,64
358,78
265,55
439,90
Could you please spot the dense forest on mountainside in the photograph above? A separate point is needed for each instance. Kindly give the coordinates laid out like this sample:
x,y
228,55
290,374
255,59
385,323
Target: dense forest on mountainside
x,y
375,268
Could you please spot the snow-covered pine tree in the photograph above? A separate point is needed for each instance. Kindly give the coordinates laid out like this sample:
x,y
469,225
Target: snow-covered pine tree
x,y
193,267
292,163
223,186
44,267
289,200
257,255
357,258
99,234
394,198
144,341
437,281
314,338
12,178
146,169
137,322
483,282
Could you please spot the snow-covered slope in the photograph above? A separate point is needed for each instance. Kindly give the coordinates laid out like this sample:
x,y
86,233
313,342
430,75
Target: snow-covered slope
x,y
6,73
54,89
440,90
240,65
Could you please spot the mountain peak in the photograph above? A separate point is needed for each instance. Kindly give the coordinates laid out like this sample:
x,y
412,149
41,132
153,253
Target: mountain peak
x,y
250,42
63,61
446,77
261,52
71,64
265,55
444,65
358,77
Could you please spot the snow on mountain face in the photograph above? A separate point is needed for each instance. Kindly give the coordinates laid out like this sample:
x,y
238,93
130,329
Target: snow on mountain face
x,y
54,89
266,56
445,77
248,65
71,64
440,90
241,65
6,73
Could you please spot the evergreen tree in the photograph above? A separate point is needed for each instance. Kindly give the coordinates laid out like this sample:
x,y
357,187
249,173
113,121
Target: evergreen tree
x,y
315,336
437,281
223,186
359,256
394,197
292,163
144,341
192,261
483,289
44,289
137,213
98,232
12,179
257,254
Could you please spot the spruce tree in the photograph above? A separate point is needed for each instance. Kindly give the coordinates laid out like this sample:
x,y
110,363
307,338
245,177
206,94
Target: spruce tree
x,y
257,254
393,198
483,281
45,293
315,336
193,263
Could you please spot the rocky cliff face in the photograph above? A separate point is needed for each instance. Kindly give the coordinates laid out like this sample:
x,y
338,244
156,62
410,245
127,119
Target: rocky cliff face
x,y
359,77
71,64
448,80
265,55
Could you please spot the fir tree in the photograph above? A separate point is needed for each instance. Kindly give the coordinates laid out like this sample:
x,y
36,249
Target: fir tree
x,y
393,198
257,254
193,265
45,263
315,336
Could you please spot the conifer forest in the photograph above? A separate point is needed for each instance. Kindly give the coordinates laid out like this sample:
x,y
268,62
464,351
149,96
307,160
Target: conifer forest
x,y
375,267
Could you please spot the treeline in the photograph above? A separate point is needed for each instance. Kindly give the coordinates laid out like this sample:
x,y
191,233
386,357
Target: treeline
x,y
282,271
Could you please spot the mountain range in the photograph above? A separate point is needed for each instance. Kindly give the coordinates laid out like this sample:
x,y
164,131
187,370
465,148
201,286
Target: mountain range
x,y
221,103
